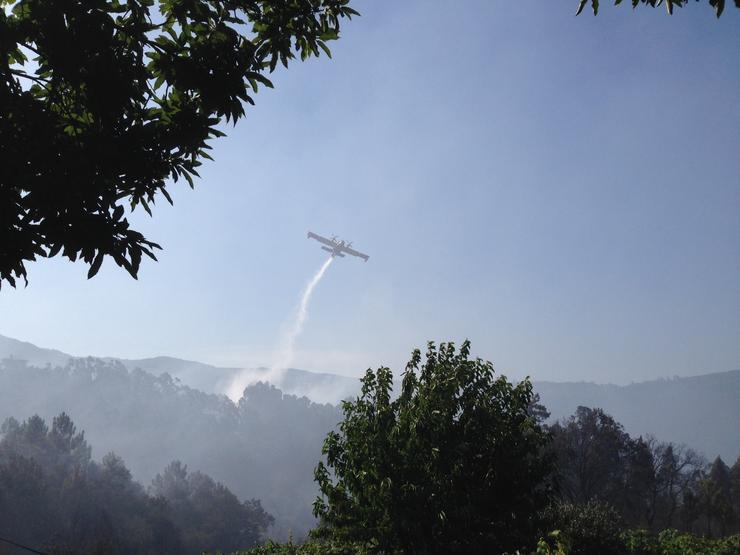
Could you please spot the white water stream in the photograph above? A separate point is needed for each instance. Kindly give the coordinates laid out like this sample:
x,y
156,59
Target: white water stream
x,y
284,355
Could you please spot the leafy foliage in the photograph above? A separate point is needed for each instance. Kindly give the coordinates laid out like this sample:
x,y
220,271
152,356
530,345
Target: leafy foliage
x,y
101,101
715,497
309,547
455,464
553,544
718,5
592,527
673,542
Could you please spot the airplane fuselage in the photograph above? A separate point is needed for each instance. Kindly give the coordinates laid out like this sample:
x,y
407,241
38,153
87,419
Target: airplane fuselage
x,y
334,252
336,247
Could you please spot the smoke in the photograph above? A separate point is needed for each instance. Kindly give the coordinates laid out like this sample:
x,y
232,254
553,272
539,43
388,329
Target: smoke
x,y
285,353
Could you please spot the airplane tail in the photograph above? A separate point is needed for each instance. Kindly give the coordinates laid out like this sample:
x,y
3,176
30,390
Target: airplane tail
x,y
327,249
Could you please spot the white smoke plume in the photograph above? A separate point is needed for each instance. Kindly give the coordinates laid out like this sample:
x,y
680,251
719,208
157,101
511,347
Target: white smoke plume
x,y
284,357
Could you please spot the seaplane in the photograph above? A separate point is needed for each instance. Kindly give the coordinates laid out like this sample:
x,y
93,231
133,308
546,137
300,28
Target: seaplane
x,y
337,247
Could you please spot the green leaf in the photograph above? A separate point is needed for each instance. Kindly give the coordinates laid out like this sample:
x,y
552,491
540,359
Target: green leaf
x,y
95,266
167,195
324,48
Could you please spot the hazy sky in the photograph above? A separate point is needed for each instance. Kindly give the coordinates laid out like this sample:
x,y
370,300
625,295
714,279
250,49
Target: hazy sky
x,y
563,191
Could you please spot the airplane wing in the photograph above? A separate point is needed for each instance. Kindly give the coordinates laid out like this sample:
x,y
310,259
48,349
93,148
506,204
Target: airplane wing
x,y
320,239
353,252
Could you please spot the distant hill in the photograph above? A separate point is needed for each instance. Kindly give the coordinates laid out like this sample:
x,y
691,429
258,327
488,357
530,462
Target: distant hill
x,y
701,411
319,387
197,375
35,356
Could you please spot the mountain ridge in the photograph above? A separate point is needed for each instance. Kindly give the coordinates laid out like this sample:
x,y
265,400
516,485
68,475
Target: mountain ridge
x,y
149,364
702,411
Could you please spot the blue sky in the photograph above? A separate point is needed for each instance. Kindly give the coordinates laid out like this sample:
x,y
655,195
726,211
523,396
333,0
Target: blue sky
x,y
563,191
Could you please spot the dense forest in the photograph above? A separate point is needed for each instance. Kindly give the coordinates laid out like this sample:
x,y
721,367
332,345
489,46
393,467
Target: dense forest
x,y
54,497
192,471
265,446
652,485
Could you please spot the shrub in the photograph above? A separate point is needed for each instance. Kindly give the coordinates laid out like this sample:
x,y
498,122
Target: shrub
x,y
673,542
587,529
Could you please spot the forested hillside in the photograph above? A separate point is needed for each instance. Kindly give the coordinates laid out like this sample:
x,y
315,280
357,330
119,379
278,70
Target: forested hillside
x,y
700,411
54,496
264,447
267,445
460,461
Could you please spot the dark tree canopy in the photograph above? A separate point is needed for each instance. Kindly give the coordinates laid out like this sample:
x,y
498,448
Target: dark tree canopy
x,y
453,465
591,451
103,101
207,512
55,498
718,5
654,486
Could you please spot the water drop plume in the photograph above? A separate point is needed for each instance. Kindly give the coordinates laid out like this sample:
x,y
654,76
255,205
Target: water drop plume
x,y
285,353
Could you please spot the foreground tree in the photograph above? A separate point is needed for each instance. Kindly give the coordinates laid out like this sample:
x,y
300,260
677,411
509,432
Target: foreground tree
x,y
455,464
103,101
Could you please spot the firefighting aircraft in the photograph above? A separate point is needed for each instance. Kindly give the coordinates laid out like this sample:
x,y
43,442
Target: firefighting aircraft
x,y
337,247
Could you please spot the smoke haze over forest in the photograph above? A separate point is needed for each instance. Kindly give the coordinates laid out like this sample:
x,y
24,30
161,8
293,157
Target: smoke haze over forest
x,y
266,445
556,194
